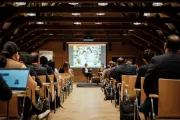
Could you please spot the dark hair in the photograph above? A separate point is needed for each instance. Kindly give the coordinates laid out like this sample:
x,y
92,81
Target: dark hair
x,y
9,49
120,60
43,60
51,64
2,61
35,57
173,43
148,54
89,49
113,64
26,58
66,67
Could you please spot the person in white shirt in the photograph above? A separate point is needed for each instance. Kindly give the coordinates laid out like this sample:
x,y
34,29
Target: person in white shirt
x,y
87,73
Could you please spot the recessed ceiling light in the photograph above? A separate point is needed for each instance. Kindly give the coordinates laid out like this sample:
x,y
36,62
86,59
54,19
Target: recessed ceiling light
x,y
51,34
147,14
157,4
20,3
98,23
76,14
30,14
100,14
102,4
130,30
73,3
77,23
39,23
137,23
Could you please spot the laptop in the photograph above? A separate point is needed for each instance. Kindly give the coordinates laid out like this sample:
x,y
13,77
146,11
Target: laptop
x,y
16,78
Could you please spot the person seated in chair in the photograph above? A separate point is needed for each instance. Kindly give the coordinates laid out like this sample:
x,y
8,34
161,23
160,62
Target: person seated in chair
x,y
87,72
162,66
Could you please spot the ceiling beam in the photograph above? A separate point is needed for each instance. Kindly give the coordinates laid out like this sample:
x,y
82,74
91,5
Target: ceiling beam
x,y
72,9
91,1
90,27
115,19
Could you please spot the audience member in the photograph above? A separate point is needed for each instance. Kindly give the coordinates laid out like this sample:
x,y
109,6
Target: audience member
x,y
44,63
27,60
10,51
5,91
101,69
37,67
66,69
147,56
123,69
162,66
105,72
51,64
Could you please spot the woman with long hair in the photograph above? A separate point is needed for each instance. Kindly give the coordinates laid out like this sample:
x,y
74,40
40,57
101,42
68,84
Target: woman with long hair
x,y
66,69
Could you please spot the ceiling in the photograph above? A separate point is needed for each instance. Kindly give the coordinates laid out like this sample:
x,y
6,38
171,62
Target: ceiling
x,y
33,23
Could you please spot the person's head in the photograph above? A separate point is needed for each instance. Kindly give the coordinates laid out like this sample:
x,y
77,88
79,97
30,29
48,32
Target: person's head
x,y
108,66
120,61
86,65
110,63
113,64
35,57
66,66
102,65
84,52
129,62
89,50
25,58
147,55
11,51
43,60
51,64
172,44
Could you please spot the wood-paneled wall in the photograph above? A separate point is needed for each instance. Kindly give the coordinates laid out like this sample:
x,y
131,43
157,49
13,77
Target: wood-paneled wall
x,y
117,50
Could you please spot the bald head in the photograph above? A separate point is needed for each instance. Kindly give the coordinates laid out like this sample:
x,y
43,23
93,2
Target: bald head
x,y
35,57
173,43
120,61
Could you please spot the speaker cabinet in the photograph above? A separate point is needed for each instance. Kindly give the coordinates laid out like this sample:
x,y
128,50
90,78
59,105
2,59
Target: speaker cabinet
x,y
110,46
64,46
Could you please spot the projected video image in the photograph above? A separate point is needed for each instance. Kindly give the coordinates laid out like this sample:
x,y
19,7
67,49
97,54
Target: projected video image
x,y
92,54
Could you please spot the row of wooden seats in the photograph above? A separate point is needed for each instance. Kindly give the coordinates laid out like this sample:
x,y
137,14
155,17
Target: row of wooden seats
x,y
168,98
13,103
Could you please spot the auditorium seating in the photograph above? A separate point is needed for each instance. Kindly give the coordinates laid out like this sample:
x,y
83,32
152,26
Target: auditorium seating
x,y
13,103
168,98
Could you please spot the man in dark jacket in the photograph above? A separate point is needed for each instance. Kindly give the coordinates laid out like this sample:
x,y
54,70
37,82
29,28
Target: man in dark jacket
x,y
123,69
37,67
162,66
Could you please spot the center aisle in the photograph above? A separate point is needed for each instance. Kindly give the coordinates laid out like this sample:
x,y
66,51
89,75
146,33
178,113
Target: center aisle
x,y
86,104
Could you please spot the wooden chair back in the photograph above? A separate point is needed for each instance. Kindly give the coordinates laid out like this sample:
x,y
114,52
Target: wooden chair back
x,y
43,88
132,82
125,78
32,94
51,77
58,85
143,95
169,105
13,107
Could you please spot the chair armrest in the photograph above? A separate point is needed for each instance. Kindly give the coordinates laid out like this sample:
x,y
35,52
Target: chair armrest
x,y
46,84
126,85
153,96
38,88
138,90
119,84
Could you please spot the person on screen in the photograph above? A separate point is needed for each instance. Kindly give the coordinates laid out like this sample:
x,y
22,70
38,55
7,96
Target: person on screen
x,y
82,58
90,56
